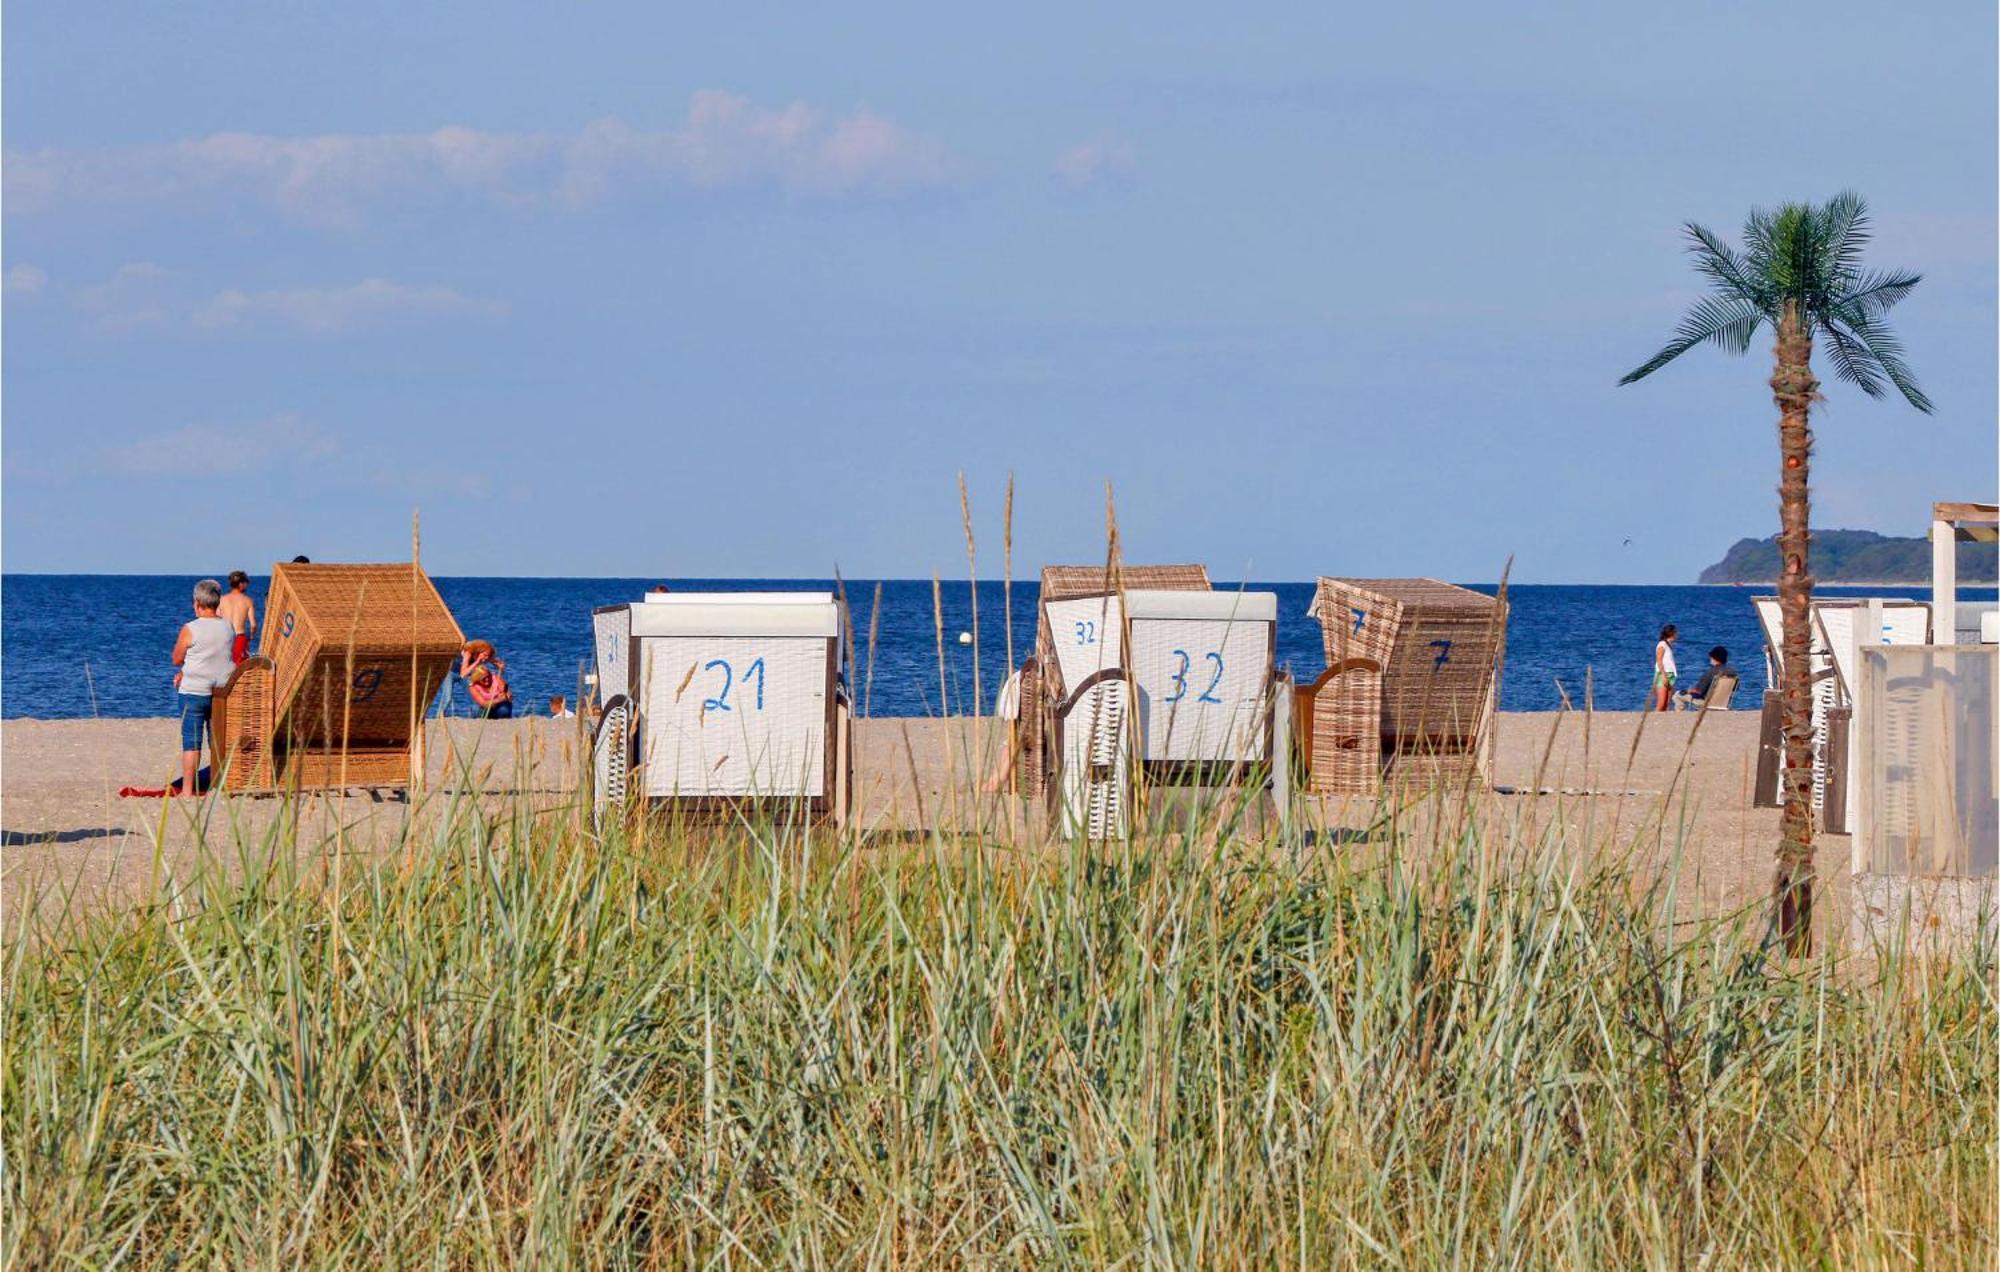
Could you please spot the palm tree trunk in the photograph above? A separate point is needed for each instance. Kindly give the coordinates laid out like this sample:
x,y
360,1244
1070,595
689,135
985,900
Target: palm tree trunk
x,y
1794,389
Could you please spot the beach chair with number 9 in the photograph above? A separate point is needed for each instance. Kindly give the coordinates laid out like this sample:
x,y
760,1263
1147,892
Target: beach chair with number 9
x,y
349,663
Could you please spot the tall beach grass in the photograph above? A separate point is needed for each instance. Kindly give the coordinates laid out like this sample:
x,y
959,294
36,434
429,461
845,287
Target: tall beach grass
x,y
512,1040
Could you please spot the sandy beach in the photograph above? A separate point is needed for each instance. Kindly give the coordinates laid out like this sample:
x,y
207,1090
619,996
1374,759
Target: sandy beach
x,y
68,834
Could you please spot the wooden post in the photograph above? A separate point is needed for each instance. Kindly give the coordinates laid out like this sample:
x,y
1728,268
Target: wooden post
x,y
1944,579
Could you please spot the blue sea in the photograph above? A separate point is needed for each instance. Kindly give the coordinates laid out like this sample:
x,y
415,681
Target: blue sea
x,y
77,646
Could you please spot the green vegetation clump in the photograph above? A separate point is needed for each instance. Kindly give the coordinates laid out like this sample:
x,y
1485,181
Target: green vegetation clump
x,y
514,1042
1852,556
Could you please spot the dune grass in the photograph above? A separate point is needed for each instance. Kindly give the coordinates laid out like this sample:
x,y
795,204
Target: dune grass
x,y
517,1042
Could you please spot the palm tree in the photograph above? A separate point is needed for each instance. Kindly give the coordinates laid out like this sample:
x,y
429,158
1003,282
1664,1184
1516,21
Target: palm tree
x,y
1800,271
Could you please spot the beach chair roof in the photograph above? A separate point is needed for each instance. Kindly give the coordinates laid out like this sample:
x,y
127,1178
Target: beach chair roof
x,y
1061,582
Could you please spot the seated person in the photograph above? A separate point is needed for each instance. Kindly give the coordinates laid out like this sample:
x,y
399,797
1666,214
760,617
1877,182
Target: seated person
x,y
1718,665
559,708
490,695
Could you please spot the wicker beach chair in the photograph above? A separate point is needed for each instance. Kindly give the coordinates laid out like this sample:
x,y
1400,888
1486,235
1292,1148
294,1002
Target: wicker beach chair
x,y
1177,685
350,660
1429,652
1044,686
727,702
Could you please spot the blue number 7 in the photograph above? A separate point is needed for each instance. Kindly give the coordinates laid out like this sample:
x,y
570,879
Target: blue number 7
x,y
1180,677
720,702
1444,653
1360,617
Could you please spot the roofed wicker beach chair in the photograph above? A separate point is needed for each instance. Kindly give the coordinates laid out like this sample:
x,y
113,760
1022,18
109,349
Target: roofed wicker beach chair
x,y
724,702
350,661
1056,670
1419,656
1175,683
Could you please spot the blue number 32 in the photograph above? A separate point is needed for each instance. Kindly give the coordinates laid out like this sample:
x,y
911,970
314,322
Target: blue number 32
x,y
1180,678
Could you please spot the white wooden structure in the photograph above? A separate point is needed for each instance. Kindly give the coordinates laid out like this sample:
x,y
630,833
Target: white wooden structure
x,y
1840,627
1176,684
731,698
1951,525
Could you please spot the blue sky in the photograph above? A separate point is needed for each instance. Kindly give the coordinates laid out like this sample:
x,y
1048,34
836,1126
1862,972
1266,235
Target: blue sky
x,y
626,290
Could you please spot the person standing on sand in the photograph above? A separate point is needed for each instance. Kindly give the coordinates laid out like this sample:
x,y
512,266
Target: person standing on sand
x,y
1664,671
240,612
202,654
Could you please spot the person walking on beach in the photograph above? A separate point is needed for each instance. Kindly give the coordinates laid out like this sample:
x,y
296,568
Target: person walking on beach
x,y
1664,671
240,612
202,654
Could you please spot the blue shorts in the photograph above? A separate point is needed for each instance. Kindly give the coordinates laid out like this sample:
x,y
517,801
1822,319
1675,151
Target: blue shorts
x,y
195,709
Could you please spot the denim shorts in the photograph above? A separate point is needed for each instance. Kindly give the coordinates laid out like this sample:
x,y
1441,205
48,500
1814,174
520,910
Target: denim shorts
x,y
195,710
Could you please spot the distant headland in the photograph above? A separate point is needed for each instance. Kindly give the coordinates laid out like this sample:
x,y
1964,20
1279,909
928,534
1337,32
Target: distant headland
x,y
1851,556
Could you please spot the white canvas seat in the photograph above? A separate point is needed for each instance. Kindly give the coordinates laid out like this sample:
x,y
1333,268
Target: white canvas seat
x,y
734,696
611,755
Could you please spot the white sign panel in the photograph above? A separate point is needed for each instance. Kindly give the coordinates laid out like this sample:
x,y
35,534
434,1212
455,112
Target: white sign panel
x,y
733,715
1202,684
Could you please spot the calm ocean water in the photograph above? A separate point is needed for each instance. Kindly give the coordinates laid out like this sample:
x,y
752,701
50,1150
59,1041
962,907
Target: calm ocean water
x,y
97,645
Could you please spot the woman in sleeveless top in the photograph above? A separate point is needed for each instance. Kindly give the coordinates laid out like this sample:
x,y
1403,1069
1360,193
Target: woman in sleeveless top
x,y
202,652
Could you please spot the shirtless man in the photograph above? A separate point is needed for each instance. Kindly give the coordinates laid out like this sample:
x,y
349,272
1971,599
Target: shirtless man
x,y
240,612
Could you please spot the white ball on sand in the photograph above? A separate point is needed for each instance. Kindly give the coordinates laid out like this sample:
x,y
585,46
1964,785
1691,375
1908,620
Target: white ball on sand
x,y
965,638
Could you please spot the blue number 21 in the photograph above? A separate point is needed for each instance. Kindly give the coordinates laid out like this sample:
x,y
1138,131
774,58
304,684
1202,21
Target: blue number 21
x,y
720,702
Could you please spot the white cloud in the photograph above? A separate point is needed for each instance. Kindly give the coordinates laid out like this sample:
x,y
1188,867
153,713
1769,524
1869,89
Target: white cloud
x,y
334,180
331,310
220,450
1101,159
144,296
24,281
136,296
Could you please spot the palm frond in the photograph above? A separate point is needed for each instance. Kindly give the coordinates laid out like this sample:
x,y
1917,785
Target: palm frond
x,y
1845,223
1720,263
1887,351
1873,294
1726,321
1852,362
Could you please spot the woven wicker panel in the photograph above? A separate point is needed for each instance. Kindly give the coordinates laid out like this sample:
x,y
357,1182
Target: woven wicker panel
x,y
1438,676
375,700
612,626
1356,622
1096,762
733,715
357,766
243,738
383,613
1031,767
1345,734
1202,688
